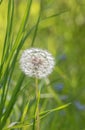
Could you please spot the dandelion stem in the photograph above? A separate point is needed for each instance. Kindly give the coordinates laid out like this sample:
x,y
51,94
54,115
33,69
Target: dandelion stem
x,y
37,106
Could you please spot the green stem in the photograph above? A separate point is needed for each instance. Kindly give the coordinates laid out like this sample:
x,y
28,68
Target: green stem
x,y
37,106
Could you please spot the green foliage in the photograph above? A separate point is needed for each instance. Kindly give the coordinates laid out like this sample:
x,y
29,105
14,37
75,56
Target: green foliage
x,y
57,26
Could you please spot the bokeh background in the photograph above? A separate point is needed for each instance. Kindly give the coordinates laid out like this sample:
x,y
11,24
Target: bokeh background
x,y
62,34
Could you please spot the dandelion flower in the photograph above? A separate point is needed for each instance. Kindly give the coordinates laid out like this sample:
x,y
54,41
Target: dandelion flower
x,y
36,62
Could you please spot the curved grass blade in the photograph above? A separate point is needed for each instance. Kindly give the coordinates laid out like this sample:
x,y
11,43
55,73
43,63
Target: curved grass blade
x,y
36,28
8,33
25,112
57,14
45,113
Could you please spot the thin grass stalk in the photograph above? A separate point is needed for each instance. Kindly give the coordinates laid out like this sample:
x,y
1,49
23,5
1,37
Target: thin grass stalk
x,y
3,92
7,28
8,34
37,24
37,106
9,42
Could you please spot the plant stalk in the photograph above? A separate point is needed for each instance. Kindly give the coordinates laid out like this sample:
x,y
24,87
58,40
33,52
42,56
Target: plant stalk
x,y
37,106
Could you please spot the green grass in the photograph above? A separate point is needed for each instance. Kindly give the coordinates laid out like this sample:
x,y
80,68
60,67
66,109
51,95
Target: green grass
x,y
59,29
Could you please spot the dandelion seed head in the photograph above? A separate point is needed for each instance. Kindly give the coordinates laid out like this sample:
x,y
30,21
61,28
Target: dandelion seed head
x,y
37,63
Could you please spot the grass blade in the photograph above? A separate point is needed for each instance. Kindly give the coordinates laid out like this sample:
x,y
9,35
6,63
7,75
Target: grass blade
x,y
55,15
6,46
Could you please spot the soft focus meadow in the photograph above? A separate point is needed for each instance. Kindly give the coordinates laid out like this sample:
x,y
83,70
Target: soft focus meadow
x,y
57,26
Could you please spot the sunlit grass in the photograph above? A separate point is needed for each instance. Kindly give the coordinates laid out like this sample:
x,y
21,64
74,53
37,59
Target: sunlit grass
x,y
61,101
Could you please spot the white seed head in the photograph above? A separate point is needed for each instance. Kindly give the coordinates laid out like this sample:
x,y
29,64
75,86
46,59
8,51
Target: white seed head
x,y
37,63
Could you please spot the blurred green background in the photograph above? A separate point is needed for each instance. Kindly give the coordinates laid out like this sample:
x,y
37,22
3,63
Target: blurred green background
x,y
64,36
